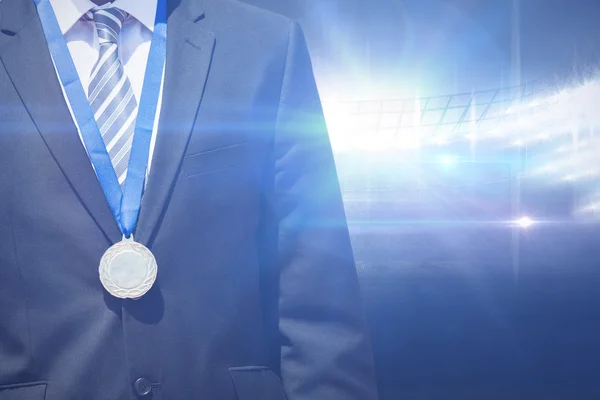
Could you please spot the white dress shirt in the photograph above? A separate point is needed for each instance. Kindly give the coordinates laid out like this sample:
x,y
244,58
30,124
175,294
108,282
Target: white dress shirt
x,y
134,44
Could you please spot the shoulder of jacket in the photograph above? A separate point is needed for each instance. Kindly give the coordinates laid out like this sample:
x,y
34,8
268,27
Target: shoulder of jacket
x,y
247,11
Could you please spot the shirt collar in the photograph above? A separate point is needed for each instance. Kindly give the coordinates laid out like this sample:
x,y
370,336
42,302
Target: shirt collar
x,y
68,12
142,10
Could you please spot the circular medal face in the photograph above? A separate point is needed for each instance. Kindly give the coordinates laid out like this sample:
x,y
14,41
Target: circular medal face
x,y
128,269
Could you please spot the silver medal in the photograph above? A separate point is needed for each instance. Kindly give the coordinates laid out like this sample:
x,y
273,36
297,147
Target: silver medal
x,y
128,269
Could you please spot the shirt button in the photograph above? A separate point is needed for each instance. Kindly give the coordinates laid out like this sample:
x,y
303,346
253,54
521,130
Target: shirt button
x,y
142,387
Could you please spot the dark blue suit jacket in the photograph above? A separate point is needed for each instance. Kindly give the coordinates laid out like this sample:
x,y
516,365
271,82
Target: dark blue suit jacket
x,y
257,295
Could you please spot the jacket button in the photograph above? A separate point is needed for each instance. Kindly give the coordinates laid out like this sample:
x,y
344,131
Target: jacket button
x,y
142,387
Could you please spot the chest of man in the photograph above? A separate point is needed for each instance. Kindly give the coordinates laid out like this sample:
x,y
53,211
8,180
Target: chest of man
x,y
201,212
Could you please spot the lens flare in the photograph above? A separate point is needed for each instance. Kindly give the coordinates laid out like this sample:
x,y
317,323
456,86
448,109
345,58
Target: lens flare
x,y
524,222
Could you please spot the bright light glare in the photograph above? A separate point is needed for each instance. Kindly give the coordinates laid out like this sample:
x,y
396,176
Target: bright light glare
x,y
551,117
524,222
448,160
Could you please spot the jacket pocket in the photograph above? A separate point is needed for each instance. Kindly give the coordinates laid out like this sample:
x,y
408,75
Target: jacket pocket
x,y
214,160
23,391
257,383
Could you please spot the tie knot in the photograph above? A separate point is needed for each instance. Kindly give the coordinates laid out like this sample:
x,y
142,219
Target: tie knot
x,y
109,22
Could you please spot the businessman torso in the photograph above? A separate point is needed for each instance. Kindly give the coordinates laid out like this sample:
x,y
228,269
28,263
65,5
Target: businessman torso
x,y
212,214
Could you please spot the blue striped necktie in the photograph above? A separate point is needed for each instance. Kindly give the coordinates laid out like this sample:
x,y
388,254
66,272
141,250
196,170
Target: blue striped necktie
x,y
109,92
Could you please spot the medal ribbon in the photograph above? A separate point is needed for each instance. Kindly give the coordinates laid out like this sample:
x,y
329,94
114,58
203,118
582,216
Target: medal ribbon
x,y
125,204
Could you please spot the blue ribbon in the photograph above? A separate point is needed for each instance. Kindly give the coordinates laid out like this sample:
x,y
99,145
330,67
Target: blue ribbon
x,y
125,205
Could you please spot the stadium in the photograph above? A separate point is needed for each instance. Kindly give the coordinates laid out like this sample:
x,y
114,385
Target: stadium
x,y
474,221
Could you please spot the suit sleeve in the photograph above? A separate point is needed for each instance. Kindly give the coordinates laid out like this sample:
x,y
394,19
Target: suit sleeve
x,y
325,351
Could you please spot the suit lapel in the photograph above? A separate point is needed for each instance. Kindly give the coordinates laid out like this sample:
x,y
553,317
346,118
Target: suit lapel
x,y
189,55
25,55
